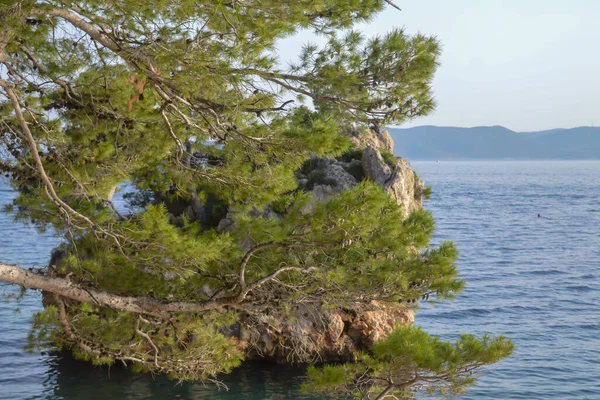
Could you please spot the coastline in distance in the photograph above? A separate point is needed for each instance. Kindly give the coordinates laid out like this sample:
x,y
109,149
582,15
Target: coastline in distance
x,y
495,143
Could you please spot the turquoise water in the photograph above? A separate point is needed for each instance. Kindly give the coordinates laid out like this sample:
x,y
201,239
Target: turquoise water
x,y
536,280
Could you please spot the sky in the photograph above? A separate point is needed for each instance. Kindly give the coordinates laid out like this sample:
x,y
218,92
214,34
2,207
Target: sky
x,y
527,65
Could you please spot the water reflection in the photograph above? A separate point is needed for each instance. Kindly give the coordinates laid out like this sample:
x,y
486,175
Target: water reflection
x,y
69,379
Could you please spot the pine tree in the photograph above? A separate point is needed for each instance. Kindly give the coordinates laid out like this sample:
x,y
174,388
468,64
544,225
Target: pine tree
x,y
186,102
409,362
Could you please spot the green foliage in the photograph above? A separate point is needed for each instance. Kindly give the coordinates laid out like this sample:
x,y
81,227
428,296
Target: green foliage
x,y
355,69
421,191
184,101
410,362
389,158
366,248
427,192
45,331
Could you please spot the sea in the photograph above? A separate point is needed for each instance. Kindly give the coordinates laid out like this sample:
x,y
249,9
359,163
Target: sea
x,y
528,233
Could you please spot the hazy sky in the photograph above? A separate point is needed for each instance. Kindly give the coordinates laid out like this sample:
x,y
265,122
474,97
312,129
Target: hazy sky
x,y
524,64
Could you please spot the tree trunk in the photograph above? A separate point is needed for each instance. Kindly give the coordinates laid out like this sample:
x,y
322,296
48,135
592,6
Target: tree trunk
x,y
140,305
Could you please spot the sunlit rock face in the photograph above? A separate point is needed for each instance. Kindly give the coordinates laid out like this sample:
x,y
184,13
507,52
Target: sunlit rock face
x,y
367,138
398,179
313,334
394,174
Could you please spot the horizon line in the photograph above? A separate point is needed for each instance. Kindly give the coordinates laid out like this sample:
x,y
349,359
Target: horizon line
x,y
493,126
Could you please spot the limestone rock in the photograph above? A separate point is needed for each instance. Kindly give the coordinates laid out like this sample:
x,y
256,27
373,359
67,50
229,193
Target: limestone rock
x,y
313,334
320,193
269,213
375,167
336,327
405,187
400,181
342,180
368,138
386,141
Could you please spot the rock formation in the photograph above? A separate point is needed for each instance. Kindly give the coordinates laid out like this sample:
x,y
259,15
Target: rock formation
x,y
310,333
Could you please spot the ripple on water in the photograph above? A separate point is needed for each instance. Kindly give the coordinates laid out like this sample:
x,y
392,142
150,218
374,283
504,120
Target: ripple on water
x,y
549,266
532,279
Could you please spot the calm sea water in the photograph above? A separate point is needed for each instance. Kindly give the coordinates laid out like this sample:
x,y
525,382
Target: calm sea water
x,y
536,280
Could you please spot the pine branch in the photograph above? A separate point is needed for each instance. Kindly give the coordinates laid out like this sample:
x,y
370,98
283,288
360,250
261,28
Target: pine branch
x,y
391,3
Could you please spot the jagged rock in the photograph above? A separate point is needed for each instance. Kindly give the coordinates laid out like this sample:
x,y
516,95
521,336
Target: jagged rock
x,y
337,178
406,187
375,167
386,141
356,329
313,334
400,181
267,212
271,214
368,138
302,182
336,328
342,180
320,193
227,224
197,209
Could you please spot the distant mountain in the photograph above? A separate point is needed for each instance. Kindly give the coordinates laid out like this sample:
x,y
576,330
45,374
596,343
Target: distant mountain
x,y
495,142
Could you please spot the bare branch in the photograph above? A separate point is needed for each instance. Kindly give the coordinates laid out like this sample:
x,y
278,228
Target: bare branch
x,y
385,392
249,254
79,23
149,339
255,285
255,249
171,132
391,3
64,322
140,305
41,68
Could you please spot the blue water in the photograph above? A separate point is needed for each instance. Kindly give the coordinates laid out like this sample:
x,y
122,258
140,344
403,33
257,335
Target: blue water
x,y
536,280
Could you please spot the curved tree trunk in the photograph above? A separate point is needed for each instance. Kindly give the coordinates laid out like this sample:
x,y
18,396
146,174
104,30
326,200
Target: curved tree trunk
x,y
141,305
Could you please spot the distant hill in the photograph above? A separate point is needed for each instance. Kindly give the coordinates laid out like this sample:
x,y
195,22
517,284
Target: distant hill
x,y
495,142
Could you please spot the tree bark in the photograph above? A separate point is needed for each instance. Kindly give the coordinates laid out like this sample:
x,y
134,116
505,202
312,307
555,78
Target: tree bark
x,y
383,394
140,305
